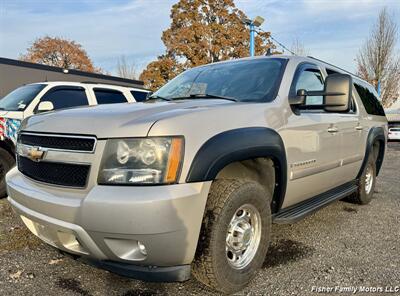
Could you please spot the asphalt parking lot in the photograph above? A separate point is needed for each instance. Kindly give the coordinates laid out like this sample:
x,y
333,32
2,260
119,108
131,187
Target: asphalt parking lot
x,y
342,245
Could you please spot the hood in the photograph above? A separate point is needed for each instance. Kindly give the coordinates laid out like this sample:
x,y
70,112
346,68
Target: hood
x,y
12,114
114,120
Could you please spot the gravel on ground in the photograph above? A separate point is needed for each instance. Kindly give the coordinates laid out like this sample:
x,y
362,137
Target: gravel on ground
x,y
343,245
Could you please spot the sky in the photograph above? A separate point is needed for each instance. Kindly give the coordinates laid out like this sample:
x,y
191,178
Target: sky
x,y
332,30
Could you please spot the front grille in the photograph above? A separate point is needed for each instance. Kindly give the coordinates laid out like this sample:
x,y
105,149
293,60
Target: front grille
x,y
64,174
59,142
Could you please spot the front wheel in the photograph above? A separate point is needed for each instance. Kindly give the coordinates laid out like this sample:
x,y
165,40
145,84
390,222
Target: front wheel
x,y
235,235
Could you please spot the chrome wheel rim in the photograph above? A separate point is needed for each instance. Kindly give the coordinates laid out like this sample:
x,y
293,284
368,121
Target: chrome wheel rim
x,y
243,236
369,179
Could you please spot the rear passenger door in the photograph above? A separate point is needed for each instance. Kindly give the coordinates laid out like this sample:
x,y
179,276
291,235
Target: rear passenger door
x,y
65,97
109,96
352,146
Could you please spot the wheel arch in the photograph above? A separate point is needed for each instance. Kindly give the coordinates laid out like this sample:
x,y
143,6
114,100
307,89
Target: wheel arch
x,y
375,135
239,145
9,146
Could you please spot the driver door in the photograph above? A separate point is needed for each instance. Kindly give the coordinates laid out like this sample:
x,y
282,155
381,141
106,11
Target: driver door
x,y
312,141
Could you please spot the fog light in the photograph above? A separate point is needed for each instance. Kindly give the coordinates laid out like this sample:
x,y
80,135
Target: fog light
x,y
142,248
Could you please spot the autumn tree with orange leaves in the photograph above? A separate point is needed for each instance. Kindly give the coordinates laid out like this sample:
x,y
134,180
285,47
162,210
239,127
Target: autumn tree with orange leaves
x,y
202,32
58,52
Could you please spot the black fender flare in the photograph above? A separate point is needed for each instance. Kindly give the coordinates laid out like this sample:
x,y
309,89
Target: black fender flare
x,y
238,145
375,134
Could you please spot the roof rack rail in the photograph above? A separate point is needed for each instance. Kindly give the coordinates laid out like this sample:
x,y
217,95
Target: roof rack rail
x,y
110,83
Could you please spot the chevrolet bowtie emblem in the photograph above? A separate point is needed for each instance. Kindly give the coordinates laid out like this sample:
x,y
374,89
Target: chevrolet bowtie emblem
x,y
34,153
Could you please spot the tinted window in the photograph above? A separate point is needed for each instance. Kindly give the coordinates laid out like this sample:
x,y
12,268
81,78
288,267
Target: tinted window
x,y
139,96
330,71
109,96
20,98
66,97
369,99
246,80
311,79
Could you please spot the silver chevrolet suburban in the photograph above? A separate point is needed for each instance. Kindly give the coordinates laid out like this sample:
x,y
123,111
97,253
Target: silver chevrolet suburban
x,y
193,178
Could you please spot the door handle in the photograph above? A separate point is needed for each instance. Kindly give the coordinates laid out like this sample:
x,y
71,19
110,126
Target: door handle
x,y
333,129
359,127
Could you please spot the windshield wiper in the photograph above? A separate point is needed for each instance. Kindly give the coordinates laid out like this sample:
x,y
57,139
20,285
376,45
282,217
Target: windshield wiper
x,y
158,98
206,96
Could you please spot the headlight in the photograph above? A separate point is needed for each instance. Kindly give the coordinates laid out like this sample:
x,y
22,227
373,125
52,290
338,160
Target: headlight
x,y
153,160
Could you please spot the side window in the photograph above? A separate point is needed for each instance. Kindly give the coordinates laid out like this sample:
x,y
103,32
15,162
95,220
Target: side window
x,y
66,97
108,96
139,96
369,99
311,79
330,71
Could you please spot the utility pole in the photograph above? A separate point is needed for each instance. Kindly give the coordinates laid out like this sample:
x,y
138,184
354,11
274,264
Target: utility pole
x,y
252,28
378,88
256,22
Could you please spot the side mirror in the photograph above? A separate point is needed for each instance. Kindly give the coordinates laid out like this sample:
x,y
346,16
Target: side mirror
x,y
337,92
45,106
299,99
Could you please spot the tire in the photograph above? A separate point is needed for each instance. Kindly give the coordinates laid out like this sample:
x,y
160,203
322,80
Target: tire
x,y
7,162
214,264
366,185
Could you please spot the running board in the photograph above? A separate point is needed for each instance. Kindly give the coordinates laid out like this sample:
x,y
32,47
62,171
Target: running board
x,y
298,211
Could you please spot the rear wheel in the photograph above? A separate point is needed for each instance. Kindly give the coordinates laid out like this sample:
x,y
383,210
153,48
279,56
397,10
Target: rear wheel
x,y
7,162
366,184
235,235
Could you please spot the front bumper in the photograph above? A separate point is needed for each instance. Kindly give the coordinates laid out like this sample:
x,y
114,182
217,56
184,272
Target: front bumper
x,y
106,224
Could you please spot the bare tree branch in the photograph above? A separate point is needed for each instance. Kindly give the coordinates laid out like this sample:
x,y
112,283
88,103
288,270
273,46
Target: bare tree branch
x,y
378,61
299,49
126,69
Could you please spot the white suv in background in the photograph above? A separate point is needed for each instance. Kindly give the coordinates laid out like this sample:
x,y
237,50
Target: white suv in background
x,y
34,98
394,133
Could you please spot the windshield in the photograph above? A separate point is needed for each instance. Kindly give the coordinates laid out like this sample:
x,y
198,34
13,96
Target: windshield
x,y
20,98
246,81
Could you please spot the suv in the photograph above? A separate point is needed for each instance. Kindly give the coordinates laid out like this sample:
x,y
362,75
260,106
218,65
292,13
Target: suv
x,y
194,177
45,96
394,133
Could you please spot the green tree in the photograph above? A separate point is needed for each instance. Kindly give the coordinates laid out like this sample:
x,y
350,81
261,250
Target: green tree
x,y
202,32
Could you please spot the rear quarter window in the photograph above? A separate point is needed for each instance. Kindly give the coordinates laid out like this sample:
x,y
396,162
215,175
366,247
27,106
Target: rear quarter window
x,y
109,96
139,96
369,99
